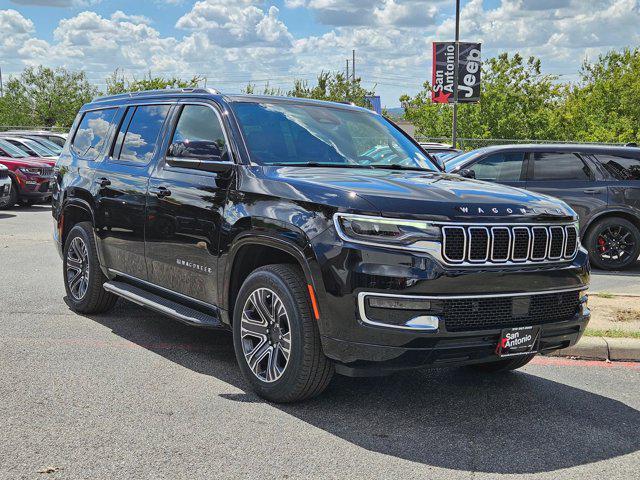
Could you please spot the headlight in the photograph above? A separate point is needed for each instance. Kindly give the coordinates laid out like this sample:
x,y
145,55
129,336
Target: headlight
x,y
30,171
386,232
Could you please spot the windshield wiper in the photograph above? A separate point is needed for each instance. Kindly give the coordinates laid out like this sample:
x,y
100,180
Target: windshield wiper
x,y
316,164
395,166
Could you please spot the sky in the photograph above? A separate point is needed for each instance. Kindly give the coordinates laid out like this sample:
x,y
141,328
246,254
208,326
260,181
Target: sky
x,y
233,42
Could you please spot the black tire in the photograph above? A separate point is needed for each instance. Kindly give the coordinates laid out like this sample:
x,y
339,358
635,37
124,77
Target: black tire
x,y
307,371
503,365
596,244
95,298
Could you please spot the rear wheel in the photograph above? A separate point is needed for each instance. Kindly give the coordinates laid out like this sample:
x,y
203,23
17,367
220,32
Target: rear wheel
x,y
503,365
613,243
83,279
276,340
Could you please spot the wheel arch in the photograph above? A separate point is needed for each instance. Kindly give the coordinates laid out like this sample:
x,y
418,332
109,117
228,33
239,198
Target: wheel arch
x,y
629,215
252,251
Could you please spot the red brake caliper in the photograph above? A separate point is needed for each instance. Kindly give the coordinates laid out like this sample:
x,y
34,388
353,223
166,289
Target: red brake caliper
x,y
601,244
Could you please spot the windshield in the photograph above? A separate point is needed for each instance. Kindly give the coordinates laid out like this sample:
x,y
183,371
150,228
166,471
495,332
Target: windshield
x,y
36,147
452,163
280,133
57,149
12,150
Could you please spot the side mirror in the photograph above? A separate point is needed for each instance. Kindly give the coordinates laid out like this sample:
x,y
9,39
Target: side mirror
x,y
467,173
440,163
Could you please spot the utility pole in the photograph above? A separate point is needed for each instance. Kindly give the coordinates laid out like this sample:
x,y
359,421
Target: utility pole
x,y
347,77
353,65
456,53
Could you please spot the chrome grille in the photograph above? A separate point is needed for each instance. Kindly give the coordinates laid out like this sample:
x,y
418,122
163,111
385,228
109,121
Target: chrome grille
x,y
476,244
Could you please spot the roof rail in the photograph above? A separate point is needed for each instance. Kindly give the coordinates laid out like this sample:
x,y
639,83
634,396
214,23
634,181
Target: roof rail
x,y
151,93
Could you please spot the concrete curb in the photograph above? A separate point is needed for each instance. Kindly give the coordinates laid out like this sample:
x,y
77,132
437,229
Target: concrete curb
x,y
601,348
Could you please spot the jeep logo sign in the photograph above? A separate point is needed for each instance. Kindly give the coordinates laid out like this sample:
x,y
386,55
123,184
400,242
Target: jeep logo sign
x,y
469,68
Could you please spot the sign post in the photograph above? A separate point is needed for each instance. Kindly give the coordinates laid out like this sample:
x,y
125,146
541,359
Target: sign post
x,y
455,74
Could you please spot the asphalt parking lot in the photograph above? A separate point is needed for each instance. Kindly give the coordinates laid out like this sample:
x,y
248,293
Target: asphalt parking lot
x,y
131,394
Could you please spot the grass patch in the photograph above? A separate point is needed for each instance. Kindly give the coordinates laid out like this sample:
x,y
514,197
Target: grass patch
x,y
611,333
604,295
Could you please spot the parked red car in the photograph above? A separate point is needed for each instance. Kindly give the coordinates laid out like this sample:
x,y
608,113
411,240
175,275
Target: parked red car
x,y
30,177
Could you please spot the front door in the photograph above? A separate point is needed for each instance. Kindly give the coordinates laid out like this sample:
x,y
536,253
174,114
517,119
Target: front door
x,y
567,176
120,184
185,203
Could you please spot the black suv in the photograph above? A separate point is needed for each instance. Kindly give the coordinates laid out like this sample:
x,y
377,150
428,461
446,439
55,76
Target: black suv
x,y
281,220
601,183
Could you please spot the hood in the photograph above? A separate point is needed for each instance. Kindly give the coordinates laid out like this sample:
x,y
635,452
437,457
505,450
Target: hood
x,y
436,196
13,163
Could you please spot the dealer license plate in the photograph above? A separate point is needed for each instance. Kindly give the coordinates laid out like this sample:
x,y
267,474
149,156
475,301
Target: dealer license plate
x,y
518,341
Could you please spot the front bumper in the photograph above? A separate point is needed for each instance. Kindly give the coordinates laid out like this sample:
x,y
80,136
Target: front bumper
x,y
360,346
5,191
362,359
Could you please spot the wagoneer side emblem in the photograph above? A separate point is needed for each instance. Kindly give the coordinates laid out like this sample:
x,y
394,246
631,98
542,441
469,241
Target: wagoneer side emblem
x,y
194,266
474,210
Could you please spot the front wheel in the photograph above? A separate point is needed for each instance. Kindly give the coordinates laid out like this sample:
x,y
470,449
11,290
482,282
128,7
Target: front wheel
x,y
276,340
613,244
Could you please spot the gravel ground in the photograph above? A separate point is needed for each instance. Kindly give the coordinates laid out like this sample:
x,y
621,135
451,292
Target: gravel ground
x,y
131,395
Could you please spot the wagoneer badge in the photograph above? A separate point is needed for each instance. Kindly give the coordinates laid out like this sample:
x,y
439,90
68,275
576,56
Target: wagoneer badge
x,y
473,210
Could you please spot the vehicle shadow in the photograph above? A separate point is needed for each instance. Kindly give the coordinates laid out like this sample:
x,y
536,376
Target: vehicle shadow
x,y
5,215
514,423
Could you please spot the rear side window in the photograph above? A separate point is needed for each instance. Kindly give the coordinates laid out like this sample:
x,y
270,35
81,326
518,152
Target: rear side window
x,y
92,131
198,135
622,168
559,166
500,167
139,132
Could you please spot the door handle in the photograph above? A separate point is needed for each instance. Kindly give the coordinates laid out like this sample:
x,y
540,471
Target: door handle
x,y
160,192
103,182
590,190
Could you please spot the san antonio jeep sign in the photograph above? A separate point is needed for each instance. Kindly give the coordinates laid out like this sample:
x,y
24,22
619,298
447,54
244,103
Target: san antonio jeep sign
x,y
468,72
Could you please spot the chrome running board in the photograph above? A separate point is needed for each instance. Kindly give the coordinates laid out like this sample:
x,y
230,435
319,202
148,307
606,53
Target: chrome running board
x,y
162,305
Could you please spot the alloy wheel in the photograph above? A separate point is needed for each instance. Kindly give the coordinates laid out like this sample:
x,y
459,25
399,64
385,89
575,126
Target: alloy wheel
x,y
615,244
265,335
78,268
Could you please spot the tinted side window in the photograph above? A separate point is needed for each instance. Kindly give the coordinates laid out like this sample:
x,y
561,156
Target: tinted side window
x,y
91,134
198,135
559,166
139,133
622,168
504,167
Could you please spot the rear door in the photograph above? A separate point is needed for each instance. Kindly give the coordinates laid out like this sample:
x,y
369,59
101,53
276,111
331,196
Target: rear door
x,y
120,185
624,173
185,203
570,177
503,167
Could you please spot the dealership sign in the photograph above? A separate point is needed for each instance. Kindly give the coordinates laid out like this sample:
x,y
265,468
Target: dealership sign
x,y
468,72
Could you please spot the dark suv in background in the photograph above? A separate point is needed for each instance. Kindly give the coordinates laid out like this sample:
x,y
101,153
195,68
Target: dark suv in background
x,y
279,219
601,183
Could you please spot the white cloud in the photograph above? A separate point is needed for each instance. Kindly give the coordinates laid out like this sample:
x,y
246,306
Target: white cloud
x,y
57,3
236,42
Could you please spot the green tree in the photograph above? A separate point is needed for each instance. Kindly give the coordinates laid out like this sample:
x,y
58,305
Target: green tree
x,y
118,83
330,86
605,105
517,102
44,96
